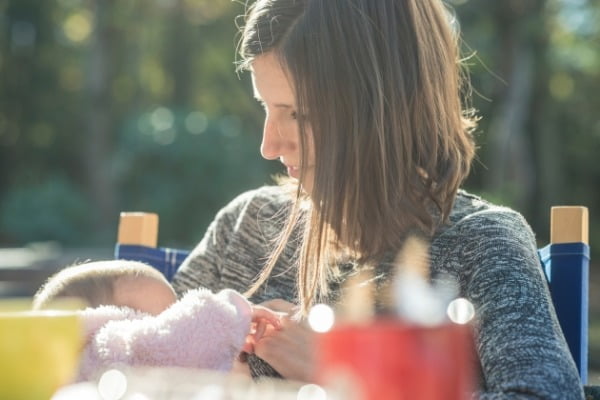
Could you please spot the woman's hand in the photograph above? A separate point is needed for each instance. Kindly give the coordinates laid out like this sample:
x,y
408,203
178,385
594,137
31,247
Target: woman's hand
x,y
288,349
262,317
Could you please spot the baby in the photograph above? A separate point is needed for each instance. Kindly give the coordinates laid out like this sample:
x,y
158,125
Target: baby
x,y
134,318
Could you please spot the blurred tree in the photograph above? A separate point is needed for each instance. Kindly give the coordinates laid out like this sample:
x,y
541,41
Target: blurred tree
x,y
134,104
538,143
86,85
99,125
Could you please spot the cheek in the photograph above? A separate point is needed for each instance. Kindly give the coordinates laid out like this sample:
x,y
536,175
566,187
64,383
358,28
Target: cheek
x,y
280,129
291,129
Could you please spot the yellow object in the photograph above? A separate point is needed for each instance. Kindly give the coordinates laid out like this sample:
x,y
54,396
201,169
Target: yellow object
x,y
39,351
138,228
569,224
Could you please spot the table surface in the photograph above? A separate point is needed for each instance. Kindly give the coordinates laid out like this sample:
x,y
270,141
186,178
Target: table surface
x,y
184,384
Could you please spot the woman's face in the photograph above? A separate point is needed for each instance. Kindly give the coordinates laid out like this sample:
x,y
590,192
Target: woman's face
x,y
281,135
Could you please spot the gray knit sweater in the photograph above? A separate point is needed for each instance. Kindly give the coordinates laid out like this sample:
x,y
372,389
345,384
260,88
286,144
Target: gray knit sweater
x,y
489,250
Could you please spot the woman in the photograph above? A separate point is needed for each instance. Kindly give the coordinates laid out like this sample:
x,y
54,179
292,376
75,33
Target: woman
x,y
363,107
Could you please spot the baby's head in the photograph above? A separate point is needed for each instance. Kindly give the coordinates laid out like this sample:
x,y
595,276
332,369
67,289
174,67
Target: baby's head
x,y
116,282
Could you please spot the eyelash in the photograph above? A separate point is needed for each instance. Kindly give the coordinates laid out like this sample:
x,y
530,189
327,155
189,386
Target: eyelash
x,y
294,114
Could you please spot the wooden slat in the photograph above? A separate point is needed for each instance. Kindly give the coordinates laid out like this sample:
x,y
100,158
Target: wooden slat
x,y
569,224
138,228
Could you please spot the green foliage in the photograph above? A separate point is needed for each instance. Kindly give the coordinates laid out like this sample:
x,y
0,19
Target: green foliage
x,y
185,168
51,210
135,105
549,157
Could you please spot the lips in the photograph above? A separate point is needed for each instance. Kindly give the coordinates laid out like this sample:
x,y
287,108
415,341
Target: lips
x,y
294,172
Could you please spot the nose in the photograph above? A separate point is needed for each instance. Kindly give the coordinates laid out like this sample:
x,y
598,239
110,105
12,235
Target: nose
x,y
275,142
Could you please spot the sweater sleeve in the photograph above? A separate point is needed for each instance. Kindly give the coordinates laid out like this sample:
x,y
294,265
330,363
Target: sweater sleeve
x,y
521,347
202,330
204,266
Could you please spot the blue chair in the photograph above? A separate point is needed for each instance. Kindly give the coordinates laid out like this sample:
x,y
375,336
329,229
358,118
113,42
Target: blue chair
x,y
565,262
137,239
566,265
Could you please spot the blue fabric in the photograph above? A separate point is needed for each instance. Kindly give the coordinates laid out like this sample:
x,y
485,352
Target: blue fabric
x,y
164,259
566,266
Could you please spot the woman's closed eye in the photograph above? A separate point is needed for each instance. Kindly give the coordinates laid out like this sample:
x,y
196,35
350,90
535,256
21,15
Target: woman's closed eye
x,y
281,108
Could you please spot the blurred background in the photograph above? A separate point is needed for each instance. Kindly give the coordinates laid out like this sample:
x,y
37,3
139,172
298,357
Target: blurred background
x,y
109,106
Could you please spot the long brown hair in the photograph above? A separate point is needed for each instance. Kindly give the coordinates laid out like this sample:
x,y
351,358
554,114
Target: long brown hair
x,y
379,85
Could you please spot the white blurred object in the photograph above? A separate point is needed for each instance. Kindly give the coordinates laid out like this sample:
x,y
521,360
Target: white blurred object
x,y
312,392
321,318
357,305
212,392
137,396
112,385
78,391
460,311
417,301
173,383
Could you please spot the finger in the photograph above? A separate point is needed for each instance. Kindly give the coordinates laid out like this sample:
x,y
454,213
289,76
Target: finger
x,y
247,348
260,330
259,313
279,305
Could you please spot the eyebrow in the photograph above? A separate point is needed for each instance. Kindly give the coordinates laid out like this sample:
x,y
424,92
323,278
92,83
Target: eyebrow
x,y
276,105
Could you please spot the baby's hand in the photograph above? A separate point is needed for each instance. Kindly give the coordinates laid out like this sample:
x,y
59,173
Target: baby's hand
x,y
262,318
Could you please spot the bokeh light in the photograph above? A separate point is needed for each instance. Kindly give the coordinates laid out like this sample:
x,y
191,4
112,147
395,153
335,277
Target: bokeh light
x,y
461,311
561,86
196,122
321,318
162,119
210,392
312,392
22,34
154,78
112,385
78,27
138,396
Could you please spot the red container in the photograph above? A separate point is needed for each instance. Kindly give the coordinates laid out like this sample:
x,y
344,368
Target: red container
x,y
391,360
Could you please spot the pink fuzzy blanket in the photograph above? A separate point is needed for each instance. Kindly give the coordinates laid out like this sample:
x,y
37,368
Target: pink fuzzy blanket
x,y
202,330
